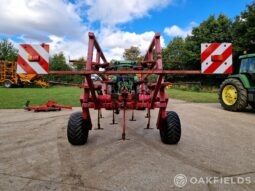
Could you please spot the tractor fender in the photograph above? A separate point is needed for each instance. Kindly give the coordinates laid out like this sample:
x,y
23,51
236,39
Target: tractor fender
x,y
243,79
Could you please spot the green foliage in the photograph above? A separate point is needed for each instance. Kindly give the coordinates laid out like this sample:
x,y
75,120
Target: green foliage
x,y
132,53
244,30
172,55
80,64
58,63
7,51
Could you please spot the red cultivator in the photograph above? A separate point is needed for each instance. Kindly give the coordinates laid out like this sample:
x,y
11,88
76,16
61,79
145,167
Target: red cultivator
x,y
123,90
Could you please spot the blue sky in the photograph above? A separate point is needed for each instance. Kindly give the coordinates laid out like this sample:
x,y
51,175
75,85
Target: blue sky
x,y
118,24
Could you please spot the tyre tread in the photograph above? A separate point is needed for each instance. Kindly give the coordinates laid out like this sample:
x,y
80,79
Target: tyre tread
x,y
77,130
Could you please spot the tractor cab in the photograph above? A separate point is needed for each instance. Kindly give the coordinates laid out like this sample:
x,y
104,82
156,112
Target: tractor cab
x,y
247,63
247,66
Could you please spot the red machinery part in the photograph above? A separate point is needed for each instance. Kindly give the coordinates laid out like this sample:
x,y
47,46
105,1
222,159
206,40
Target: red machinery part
x,y
51,105
151,96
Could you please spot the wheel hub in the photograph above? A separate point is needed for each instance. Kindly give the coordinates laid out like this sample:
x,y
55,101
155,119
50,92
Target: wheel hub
x,y
229,95
7,84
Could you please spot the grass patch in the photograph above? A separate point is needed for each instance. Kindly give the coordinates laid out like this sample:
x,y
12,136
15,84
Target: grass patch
x,y
15,98
193,96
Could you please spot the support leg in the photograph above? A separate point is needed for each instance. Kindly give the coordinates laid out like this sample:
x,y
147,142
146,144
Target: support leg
x,y
149,119
133,117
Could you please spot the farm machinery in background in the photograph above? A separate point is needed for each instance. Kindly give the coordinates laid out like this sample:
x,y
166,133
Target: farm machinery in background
x,y
33,62
50,105
122,90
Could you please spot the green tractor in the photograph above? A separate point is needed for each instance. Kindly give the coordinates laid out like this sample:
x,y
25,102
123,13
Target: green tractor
x,y
238,90
124,81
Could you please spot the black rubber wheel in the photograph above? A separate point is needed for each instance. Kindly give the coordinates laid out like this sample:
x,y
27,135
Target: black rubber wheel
x,y
170,133
77,129
7,84
241,95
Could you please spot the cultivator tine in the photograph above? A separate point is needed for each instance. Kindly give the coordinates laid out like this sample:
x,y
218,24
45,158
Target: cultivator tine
x,y
149,119
98,120
124,125
133,117
113,118
147,114
100,113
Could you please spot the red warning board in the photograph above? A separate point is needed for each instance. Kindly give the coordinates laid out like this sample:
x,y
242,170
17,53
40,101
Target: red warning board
x,y
216,58
33,59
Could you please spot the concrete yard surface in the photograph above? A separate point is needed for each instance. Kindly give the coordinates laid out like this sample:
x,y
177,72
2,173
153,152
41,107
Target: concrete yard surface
x,y
35,153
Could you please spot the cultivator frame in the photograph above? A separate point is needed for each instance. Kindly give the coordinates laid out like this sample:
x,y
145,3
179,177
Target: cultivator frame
x,y
150,96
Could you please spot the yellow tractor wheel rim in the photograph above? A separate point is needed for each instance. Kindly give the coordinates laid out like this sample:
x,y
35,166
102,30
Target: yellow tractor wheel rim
x,y
229,95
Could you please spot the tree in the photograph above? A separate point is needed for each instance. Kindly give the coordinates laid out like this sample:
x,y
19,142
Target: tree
x,y
80,64
7,51
58,63
244,30
172,55
132,53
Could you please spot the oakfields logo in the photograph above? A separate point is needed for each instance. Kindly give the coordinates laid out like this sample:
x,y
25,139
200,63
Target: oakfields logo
x,y
180,180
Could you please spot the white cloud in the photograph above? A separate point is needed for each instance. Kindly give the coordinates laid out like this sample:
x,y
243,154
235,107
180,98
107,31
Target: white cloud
x,y
71,49
56,23
117,41
61,24
39,18
111,12
175,30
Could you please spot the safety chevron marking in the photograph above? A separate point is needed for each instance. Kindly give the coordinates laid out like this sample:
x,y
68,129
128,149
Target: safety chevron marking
x,y
33,59
216,58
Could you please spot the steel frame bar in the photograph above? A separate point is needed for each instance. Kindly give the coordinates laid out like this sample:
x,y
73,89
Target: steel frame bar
x,y
88,72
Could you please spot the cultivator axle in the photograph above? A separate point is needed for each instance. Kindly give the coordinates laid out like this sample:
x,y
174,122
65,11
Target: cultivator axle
x,y
122,89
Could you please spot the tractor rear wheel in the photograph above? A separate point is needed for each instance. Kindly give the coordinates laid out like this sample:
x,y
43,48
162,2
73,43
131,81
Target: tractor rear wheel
x,y
7,83
170,133
77,129
233,95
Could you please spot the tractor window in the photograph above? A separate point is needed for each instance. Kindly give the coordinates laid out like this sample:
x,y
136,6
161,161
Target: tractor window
x,y
247,65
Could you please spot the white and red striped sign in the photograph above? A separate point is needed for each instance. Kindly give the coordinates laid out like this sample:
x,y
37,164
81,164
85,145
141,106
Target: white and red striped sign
x,y
216,58
33,59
